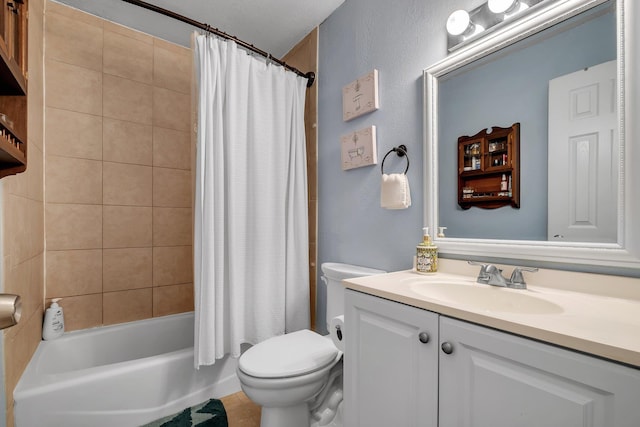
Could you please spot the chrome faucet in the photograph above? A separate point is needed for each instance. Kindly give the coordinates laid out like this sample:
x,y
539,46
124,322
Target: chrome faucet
x,y
495,276
483,277
492,275
517,279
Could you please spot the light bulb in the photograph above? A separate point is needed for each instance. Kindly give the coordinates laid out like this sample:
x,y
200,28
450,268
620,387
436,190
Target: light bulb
x,y
458,22
501,6
508,7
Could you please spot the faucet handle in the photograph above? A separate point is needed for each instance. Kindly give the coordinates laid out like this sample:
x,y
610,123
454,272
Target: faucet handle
x,y
483,266
517,278
483,277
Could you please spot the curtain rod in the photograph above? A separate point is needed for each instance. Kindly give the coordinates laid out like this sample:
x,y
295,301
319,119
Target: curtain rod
x,y
310,76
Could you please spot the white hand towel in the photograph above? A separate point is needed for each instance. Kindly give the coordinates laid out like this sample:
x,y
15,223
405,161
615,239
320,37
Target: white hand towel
x,y
395,193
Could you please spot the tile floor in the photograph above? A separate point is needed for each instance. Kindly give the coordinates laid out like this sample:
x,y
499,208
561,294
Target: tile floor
x,y
241,412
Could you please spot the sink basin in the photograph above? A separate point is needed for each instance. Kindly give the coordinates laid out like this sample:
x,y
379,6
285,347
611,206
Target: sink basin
x,y
484,297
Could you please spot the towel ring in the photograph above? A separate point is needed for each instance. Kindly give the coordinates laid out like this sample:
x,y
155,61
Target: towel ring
x,y
401,151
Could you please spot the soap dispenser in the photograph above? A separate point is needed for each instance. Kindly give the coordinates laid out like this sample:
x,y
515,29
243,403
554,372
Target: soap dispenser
x,y
426,254
53,326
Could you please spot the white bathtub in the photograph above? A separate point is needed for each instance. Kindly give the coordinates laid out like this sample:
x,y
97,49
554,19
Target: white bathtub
x,y
118,376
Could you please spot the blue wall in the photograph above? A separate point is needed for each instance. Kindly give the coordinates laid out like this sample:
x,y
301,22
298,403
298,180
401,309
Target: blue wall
x,y
513,88
399,39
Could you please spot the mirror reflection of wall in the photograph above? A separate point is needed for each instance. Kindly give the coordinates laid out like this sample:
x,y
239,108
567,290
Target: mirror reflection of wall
x,y
513,87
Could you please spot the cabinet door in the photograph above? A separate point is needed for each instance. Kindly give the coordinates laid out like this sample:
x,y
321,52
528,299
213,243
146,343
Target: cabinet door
x,y
13,31
470,154
497,379
390,375
4,16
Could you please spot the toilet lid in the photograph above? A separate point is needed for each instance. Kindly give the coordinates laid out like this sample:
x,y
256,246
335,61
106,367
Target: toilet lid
x,y
288,355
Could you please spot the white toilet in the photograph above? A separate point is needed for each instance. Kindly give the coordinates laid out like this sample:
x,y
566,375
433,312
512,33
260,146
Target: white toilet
x,y
297,377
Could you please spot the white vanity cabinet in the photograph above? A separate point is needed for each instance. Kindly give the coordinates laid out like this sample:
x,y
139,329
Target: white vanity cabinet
x,y
496,379
468,375
390,364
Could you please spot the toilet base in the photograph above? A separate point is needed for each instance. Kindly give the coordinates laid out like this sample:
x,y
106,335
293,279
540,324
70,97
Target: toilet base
x,y
288,416
329,411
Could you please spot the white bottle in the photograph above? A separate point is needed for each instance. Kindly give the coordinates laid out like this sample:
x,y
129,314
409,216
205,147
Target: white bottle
x,y
503,183
53,326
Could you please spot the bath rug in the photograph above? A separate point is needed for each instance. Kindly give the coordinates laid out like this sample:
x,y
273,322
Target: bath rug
x,y
208,414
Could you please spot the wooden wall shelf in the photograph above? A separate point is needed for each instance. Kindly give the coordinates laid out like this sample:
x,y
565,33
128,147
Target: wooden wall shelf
x,y
489,168
13,83
13,86
13,151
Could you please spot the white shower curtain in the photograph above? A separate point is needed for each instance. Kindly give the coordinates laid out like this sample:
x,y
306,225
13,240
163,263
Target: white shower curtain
x,y
251,265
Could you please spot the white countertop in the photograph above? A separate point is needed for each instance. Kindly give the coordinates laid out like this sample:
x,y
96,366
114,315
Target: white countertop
x,y
596,314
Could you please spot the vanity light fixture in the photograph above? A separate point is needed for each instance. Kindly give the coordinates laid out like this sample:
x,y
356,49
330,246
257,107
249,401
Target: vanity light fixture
x,y
463,27
459,24
508,7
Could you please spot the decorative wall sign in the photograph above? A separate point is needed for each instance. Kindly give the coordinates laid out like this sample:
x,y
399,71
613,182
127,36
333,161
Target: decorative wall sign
x,y
359,148
360,96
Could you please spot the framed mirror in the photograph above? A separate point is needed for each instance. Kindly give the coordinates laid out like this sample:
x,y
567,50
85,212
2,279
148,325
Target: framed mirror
x,y
579,196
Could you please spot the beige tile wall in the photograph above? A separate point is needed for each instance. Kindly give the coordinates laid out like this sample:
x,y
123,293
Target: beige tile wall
x,y
23,225
117,171
304,56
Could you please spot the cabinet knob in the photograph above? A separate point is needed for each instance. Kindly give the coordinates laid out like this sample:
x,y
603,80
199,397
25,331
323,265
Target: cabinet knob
x,y
447,347
423,337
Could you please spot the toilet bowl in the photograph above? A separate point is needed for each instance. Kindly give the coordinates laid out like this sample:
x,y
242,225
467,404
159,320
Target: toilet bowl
x,y
297,378
286,374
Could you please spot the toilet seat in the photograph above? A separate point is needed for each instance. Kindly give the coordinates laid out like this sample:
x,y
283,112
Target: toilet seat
x,y
294,354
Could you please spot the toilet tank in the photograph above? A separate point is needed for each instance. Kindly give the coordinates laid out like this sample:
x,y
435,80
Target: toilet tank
x,y
333,275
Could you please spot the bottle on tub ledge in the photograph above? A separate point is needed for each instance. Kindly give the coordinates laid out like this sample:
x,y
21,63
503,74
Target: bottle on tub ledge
x,y
426,254
53,326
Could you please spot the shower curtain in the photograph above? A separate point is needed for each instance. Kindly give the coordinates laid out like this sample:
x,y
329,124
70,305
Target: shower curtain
x,y
251,265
